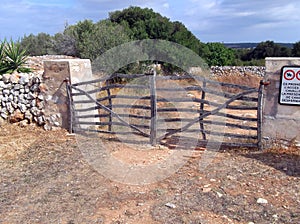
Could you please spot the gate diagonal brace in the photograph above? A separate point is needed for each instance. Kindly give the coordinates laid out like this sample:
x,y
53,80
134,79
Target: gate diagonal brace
x,y
112,112
213,112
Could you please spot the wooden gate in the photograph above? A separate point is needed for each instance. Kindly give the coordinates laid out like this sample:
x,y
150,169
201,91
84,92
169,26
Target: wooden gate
x,y
158,108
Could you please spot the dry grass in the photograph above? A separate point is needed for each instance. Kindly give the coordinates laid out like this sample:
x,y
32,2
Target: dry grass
x,y
15,141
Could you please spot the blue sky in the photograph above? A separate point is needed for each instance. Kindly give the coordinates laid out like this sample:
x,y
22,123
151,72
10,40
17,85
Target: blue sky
x,y
210,20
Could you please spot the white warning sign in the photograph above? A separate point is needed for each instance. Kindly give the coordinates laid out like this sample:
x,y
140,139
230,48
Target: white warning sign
x,y
290,85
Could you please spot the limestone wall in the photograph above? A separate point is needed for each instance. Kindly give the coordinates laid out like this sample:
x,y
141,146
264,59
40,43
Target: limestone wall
x,y
21,98
281,123
237,70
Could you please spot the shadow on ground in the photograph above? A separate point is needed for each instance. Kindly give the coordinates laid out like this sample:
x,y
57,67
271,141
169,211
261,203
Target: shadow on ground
x,y
288,163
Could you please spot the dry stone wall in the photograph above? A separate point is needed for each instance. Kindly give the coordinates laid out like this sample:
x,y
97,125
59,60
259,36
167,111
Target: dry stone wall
x,y
22,95
21,98
238,70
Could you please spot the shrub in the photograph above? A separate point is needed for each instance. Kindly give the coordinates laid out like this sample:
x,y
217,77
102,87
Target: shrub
x,y
12,57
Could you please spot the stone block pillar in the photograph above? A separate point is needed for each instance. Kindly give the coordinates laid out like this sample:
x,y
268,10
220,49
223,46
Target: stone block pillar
x,y
281,123
55,72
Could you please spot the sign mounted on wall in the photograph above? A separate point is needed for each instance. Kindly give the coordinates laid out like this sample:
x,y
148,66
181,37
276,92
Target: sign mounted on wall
x,y
290,85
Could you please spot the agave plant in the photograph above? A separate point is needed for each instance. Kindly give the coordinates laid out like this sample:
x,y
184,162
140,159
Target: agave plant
x,y
2,57
13,57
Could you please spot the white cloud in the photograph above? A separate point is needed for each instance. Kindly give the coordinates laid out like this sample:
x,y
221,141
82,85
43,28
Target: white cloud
x,y
166,5
210,20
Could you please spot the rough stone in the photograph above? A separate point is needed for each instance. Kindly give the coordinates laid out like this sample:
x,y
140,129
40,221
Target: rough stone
x,y
15,99
262,201
15,93
17,87
41,120
22,107
34,111
31,96
36,80
170,205
43,88
47,127
28,115
14,105
14,78
3,110
33,103
2,85
40,104
40,97
4,115
16,116
22,90
23,123
24,78
2,121
34,87
26,89
6,78
9,107
10,98
22,101
5,92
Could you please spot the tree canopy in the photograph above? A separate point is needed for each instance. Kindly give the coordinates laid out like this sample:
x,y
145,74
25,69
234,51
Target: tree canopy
x,y
147,24
268,49
296,49
218,54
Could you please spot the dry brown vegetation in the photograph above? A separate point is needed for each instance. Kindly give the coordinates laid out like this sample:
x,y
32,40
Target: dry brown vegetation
x,y
45,179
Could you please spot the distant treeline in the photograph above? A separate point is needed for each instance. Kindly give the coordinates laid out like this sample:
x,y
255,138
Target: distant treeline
x,y
252,45
88,39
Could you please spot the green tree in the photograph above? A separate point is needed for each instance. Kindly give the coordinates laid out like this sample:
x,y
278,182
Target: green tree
x,y
40,44
65,44
141,23
268,49
219,55
89,40
296,49
146,24
104,36
79,34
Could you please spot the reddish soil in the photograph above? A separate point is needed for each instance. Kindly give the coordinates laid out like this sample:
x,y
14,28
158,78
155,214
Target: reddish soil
x,y
45,179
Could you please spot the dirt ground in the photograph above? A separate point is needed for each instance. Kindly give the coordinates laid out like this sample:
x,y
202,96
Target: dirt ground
x,y
45,179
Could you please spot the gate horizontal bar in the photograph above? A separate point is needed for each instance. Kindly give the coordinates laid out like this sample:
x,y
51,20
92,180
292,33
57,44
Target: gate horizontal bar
x,y
110,123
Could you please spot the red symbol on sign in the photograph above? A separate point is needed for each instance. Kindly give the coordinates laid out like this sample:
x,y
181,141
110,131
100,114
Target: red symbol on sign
x,y
289,74
298,75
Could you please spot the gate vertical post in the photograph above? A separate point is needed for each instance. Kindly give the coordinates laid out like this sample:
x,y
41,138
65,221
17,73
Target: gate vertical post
x,y
259,115
201,111
153,97
70,102
109,106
